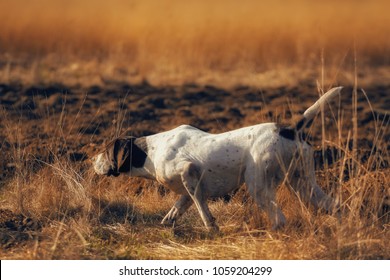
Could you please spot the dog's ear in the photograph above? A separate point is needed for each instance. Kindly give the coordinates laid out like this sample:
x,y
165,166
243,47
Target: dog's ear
x,y
110,149
122,155
131,153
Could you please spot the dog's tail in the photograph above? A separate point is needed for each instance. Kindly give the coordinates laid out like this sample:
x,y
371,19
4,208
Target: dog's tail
x,y
313,110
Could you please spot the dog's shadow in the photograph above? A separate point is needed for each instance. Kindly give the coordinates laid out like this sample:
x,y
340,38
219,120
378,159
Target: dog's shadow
x,y
188,233
122,212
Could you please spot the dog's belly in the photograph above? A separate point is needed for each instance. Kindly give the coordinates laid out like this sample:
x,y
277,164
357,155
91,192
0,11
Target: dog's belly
x,y
220,184
174,183
215,182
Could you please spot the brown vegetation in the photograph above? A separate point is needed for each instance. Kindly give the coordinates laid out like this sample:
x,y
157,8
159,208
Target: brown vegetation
x,y
72,75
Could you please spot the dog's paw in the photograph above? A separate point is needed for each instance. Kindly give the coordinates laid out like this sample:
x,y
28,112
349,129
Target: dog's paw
x,y
213,229
170,218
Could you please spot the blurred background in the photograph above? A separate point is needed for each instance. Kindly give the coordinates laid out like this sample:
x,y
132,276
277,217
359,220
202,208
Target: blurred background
x,y
74,73
172,41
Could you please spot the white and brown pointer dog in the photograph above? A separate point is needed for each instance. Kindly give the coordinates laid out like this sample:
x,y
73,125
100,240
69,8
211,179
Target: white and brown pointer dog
x,y
199,165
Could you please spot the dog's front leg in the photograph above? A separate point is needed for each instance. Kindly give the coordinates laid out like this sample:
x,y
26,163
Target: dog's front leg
x,y
181,205
192,180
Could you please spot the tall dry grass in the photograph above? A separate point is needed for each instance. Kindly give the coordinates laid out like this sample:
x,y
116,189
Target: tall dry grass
x,y
78,214
75,214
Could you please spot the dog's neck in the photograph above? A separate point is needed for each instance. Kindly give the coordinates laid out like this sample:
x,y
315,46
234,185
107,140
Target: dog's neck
x,y
147,171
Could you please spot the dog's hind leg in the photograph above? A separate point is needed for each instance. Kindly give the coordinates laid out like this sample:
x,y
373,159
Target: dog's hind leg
x,y
263,191
303,181
311,193
319,199
192,180
181,206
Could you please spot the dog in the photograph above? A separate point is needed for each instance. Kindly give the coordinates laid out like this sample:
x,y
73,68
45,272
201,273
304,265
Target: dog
x,y
199,165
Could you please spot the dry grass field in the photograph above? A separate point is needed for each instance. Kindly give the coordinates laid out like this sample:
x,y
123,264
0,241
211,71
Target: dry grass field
x,y
73,74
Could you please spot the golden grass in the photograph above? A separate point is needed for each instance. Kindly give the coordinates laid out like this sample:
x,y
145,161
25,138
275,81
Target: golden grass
x,y
191,41
75,214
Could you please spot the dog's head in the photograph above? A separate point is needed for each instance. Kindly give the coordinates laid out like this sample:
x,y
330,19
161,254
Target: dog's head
x,y
120,156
